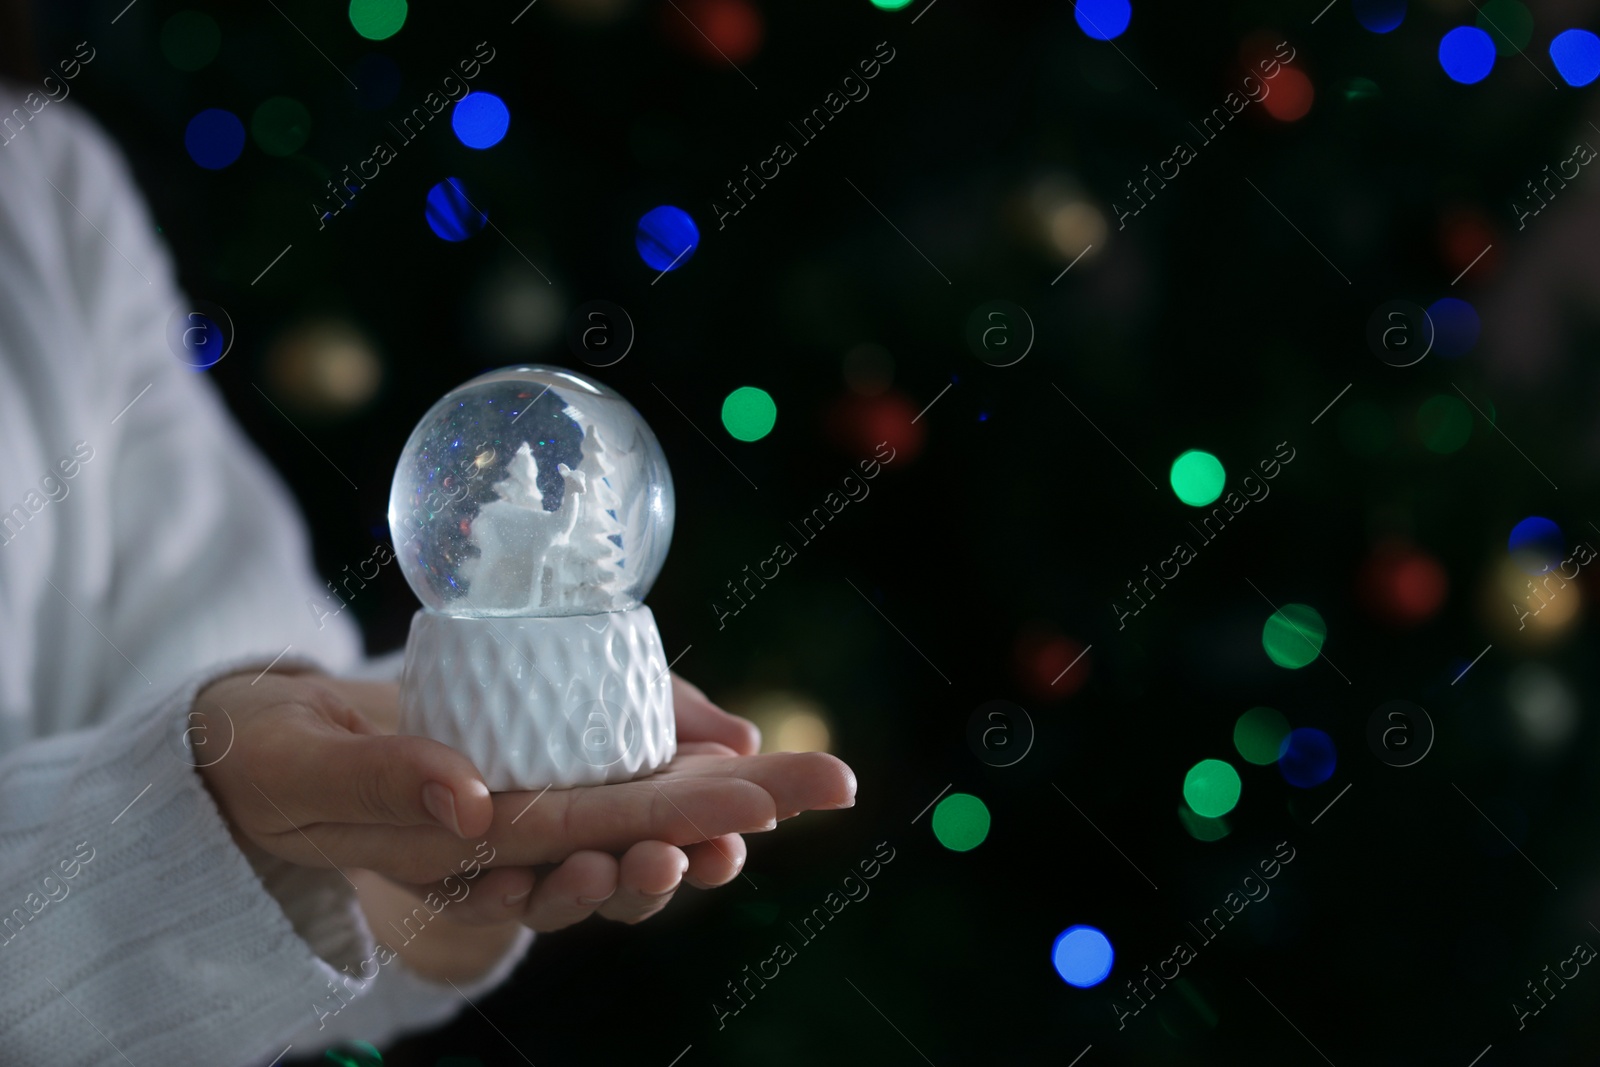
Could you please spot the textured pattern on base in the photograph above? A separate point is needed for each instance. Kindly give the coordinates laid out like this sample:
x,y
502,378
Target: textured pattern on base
x,y
537,702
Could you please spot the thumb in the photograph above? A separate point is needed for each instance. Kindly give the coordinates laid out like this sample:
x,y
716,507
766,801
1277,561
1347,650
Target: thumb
x,y
384,779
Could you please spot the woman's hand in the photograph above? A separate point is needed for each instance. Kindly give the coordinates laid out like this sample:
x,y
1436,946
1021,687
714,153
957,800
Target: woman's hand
x,y
315,776
314,780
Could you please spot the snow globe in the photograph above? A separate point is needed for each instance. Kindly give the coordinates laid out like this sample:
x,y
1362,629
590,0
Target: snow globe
x,y
531,512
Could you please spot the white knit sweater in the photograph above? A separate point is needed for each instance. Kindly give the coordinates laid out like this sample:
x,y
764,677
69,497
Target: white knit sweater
x,y
145,549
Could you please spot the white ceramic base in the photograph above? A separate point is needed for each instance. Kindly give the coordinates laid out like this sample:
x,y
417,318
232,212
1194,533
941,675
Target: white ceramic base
x,y
536,702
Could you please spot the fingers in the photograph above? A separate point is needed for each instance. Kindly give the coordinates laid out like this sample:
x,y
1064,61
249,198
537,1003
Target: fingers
x,y
612,818
704,748
494,897
796,781
308,756
531,830
648,875
330,776
715,862
571,893
700,720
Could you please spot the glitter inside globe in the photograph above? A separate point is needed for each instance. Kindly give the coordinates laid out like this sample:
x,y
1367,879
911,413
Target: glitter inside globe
x,y
531,492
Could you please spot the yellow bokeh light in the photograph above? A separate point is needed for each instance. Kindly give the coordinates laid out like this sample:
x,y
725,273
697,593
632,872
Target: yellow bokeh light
x,y
1058,214
788,721
324,367
1075,226
1535,609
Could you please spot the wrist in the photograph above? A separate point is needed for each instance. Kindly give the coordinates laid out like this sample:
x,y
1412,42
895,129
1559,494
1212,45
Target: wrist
x,y
430,944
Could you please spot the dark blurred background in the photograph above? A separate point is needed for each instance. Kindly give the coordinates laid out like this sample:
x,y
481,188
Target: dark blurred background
x,y
992,152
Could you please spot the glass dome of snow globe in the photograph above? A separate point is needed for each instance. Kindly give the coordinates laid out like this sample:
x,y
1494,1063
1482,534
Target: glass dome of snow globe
x,y
531,512
531,491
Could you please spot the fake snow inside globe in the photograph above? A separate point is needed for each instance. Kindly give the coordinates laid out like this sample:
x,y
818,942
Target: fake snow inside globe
x,y
531,512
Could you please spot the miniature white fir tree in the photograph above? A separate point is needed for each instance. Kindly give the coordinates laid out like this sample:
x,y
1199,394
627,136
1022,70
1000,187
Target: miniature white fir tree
x,y
584,567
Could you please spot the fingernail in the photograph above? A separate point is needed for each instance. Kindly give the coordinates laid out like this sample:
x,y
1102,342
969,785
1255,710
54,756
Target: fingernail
x,y
591,902
441,804
658,896
770,824
513,899
847,804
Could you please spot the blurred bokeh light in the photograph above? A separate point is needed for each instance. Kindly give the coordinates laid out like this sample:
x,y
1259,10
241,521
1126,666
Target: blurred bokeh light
x,y
1536,544
451,214
1576,55
378,20
324,367
1211,788
749,413
1293,635
1308,757
1103,19
961,822
1402,585
214,138
1258,735
190,40
1543,706
1467,54
1380,16
788,721
666,238
1197,477
1083,956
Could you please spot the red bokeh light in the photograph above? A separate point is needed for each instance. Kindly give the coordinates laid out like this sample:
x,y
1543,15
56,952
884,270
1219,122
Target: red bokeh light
x,y
1402,585
858,423
1042,654
1464,235
718,31
1291,95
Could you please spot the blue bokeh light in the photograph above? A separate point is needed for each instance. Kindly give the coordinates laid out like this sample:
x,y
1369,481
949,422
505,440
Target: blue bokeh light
x,y
197,340
1082,956
666,238
1576,54
1467,54
1536,544
450,213
1455,326
214,138
1380,16
480,120
1103,19
1307,757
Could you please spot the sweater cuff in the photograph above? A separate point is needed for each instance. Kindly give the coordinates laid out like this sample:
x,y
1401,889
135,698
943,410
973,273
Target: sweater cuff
x,y
169,941
376,999
397,1002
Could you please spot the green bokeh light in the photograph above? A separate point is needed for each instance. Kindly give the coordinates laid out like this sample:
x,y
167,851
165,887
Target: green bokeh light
x,y
890,5
1509,23
1201,828
1293,635
1444,423
1361,90
190,40
1197,477
377,20
1211,788
281,126
749,413
1366,430
960,822
353,1054
1259,734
